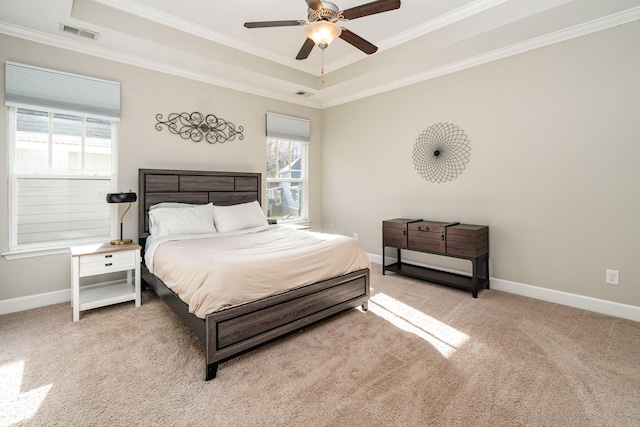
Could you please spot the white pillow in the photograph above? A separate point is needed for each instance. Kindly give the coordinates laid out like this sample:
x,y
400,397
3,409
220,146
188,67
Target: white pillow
x,y
190,220
238,217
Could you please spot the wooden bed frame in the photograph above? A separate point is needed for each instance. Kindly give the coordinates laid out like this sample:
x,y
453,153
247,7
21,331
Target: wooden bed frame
x,y
229,332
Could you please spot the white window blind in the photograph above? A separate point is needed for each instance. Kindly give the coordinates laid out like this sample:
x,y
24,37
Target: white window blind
x,y
62,209
286,127
28,86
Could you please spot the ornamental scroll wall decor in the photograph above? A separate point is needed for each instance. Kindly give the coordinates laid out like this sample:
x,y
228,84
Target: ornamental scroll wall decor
x,y
440,152
197,127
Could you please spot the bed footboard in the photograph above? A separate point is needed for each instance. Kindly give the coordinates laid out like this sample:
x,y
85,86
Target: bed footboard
x,y
238,329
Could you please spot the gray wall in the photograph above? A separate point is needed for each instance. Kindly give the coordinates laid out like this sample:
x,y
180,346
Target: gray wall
x,y
554,167
144,94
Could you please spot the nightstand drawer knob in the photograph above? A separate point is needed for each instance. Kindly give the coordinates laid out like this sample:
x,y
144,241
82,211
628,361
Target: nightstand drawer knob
x,y
108,256
109,264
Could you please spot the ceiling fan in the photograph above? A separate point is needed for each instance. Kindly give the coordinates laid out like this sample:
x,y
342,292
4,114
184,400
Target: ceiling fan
x,y
322,28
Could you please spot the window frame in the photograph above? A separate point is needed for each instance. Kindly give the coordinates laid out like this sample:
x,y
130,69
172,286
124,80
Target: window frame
x,y
304,180
25,250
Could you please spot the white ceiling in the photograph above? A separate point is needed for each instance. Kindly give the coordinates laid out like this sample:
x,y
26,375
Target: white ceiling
x,y
205,40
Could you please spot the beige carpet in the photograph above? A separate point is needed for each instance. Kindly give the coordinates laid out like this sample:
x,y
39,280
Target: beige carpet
x,y
423,355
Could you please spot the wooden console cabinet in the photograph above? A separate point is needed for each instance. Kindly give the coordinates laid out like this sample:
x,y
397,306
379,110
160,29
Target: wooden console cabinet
x,y
452,239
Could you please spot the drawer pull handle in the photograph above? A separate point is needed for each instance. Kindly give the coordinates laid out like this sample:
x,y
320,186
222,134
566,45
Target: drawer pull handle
x,y
423,229
108,256
109,264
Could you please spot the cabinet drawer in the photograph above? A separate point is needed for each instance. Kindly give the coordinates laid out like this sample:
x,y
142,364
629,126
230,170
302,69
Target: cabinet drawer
x,y
428,236
107,262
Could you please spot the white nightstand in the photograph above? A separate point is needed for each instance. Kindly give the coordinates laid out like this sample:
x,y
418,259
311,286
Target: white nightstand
x,y
93,260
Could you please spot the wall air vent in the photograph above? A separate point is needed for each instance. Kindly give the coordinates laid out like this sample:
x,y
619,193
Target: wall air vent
x,y
79,32
303,93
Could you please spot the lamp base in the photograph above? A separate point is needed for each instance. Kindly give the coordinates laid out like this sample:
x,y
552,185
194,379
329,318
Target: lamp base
x,y
121,242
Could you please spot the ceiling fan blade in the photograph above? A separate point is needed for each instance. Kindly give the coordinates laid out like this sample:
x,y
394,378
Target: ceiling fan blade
x,y
265,24
314,4
371,9
358,42
306,48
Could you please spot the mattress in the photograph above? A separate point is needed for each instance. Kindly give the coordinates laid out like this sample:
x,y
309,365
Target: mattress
x,y
214,271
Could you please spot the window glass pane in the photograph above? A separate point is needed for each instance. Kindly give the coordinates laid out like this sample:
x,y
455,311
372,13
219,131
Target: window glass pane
x,y
98,147
284,200
67,144
296,160
32,141
284,158
284,179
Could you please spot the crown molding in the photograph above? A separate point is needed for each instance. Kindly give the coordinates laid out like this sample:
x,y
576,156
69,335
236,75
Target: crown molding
x,y
558,36
552,38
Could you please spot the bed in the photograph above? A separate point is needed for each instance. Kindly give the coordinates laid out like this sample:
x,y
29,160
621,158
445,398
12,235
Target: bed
x,y
231,330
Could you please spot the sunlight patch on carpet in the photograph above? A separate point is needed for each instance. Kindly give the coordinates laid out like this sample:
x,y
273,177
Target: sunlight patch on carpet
x,y
14,405
441,336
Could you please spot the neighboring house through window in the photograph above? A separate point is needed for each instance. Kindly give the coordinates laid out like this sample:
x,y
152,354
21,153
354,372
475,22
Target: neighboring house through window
x,y
287,143
62,157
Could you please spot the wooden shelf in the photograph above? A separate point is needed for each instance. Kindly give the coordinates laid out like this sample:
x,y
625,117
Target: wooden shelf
x,y
101,296
431,275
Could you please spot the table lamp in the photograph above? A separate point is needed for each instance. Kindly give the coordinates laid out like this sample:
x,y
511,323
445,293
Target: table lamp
x,y
129,197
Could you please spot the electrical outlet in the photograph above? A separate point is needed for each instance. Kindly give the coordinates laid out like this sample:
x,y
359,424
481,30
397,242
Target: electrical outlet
x,y
613,277
355,236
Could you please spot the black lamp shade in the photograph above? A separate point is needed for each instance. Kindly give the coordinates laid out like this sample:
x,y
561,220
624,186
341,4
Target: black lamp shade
x,y
121,197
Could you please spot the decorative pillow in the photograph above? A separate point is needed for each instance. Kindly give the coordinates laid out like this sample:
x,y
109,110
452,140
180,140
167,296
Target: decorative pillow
x,y
238,217
171,205
196,219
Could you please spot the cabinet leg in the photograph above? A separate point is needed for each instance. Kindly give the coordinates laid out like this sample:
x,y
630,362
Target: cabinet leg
x,y
475,293
212,369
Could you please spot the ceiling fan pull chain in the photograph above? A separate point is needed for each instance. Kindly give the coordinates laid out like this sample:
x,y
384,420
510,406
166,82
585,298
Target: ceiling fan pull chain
x,y
322,68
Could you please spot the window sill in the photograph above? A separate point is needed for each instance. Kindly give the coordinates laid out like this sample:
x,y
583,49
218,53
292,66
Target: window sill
x,y
297,225
16,254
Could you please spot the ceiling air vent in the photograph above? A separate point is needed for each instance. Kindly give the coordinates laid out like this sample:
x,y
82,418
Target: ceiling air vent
x,y
303,93
79,32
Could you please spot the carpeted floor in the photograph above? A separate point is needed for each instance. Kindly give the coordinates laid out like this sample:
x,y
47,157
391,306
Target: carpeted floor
x,y
422,355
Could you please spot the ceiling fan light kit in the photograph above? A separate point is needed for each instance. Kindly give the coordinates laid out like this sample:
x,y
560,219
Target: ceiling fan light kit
x,y
323,33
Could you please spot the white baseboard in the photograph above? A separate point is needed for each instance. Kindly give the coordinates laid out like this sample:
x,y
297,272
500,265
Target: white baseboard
x,y
34,301
610,308
40,300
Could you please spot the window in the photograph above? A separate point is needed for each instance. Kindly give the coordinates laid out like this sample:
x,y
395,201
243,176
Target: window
x,y
62,170
62,151
287,142
285,180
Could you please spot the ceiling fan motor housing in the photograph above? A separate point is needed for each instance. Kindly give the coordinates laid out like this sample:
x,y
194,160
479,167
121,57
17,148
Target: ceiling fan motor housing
x,y
328,12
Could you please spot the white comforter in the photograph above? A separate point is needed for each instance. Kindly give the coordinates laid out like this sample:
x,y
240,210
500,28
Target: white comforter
x,y
221,270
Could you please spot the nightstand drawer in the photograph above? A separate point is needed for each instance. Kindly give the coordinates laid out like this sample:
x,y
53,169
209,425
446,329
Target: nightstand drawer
x,y
107,262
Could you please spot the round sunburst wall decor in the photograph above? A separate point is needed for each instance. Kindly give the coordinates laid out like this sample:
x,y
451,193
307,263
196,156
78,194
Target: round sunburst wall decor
x,y
441,152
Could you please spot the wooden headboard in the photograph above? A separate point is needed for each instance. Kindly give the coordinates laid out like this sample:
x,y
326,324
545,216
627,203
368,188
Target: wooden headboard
x,y
198,187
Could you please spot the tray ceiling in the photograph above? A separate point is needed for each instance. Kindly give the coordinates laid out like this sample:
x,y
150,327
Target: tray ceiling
x,y
206,40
